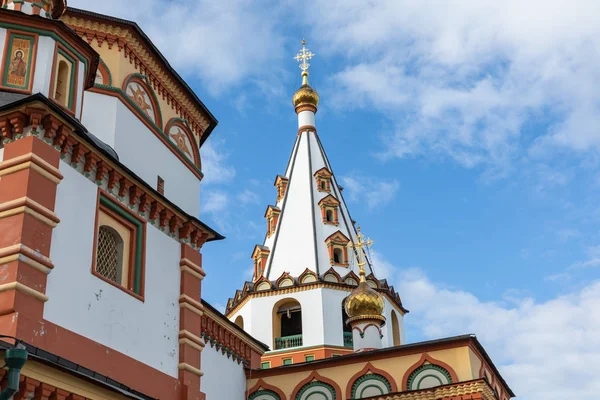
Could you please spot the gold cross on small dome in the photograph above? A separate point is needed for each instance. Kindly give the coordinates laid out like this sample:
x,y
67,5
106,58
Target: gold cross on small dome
x,y
303,56
361,246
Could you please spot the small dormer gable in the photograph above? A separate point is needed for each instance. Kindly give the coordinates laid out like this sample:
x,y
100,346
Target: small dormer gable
x,y
323,180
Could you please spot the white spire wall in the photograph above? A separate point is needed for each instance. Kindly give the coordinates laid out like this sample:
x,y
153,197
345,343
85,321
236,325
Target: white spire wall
x,y
299,240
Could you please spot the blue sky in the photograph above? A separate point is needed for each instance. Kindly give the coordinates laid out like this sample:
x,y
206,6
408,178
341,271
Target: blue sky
x,y
466,135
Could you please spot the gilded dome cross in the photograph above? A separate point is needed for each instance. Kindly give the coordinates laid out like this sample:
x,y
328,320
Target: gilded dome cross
x,y
303,56
361,246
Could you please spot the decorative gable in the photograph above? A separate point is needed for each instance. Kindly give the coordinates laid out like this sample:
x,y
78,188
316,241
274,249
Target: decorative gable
x,y
329,210
323,178
260,256
272,216
281,184
337,245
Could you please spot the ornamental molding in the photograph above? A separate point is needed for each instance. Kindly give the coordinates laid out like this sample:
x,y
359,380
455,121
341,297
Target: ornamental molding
x,y
330,280
232,342
471,390
36,119
147,63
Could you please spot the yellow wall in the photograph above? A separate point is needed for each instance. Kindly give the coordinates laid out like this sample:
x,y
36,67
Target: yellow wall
x,y
396,366
68,382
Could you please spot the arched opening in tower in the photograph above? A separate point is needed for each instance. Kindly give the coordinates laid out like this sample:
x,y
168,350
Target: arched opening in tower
x,y
287,324
338,256
329,216
395,329
346,328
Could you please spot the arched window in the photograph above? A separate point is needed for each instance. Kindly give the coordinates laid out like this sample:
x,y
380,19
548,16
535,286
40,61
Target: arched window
x,y
62,79
395,329
264,395
109,256
428,376
338,256
287,324
239,321
346,328
370,385
329,216
316,390
323,185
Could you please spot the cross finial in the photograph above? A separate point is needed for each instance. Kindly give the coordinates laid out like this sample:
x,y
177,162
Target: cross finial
x,y
303,56
361,246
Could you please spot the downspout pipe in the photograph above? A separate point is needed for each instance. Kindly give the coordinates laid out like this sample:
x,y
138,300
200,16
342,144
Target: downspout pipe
x,y
15,359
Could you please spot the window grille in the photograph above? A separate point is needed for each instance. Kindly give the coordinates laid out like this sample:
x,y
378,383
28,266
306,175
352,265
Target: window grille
x,y
109,256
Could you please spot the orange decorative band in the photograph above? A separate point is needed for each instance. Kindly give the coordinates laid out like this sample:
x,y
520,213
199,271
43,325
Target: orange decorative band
x,y
25,260
367,318
189,368
188,342
19,287
306,107
194,306
30,207
307,128
183,334
34,162
188,263
22,249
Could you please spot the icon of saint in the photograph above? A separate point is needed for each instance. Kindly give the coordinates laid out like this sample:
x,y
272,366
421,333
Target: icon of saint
x,y
18,67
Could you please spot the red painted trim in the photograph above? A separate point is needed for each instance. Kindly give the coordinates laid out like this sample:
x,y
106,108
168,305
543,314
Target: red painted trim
x,y
133,229
315,376
370,368
418,364
195,149
151,95
260,384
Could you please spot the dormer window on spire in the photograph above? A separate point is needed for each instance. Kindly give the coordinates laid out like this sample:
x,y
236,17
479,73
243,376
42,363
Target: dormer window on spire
x,y
337,246
281,184
260,256
323,179
272,216
329,210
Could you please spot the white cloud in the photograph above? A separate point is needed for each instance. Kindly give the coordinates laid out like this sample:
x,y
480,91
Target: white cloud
x,y
373,191
462,79
215,201
219,42
544,349
215,164
248,197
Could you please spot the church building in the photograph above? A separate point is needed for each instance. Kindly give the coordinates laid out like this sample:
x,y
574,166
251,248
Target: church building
x,y
101,244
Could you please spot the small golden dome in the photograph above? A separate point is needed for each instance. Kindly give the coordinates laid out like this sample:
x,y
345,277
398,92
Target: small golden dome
x,y
364,303
305,96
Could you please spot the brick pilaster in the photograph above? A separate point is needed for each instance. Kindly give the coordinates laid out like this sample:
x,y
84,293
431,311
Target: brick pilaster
x,y
29,177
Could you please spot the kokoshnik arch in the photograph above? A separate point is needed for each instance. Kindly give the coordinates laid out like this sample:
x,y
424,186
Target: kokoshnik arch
x,y
100,243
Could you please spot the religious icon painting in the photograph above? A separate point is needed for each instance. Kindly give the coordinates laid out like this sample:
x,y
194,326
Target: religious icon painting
x,y
181,141
19,60
141,98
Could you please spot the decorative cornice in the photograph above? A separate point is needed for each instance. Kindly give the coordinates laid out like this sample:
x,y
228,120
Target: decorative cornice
x,y
36,119
142,57
216,331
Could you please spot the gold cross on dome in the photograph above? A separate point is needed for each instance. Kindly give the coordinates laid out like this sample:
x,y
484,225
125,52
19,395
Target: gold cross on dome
x,y
303,56
361,246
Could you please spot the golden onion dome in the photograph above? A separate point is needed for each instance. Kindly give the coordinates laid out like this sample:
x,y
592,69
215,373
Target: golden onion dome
x,y
364,302
305,95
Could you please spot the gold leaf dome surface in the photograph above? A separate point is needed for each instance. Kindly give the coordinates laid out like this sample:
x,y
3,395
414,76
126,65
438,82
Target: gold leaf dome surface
x,y
364,303
305,95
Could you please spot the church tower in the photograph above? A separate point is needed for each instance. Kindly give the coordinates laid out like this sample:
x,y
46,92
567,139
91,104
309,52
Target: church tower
x,y
308,263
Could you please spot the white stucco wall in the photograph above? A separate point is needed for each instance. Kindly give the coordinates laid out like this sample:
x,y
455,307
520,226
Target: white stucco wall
x,y
148,157
2,41
84,304
100,124
306,118
321,317
43,67
388,333
223,379
371,339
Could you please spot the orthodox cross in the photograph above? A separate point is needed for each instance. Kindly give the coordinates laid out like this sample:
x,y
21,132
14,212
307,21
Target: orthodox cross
x,y
361,246
303,56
